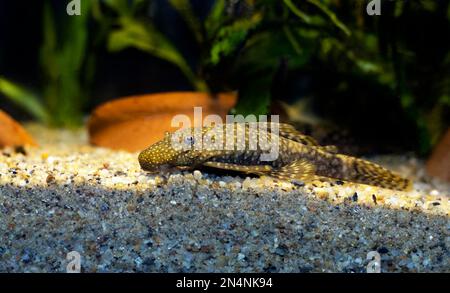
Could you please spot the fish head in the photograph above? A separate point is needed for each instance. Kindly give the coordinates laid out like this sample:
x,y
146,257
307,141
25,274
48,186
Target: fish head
x,y
159,154
177,149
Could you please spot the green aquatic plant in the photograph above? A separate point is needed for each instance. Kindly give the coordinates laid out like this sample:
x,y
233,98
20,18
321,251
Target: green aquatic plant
x,y
143,35
402,59
66,70
289,35
25,99
241,45
358,64
217,35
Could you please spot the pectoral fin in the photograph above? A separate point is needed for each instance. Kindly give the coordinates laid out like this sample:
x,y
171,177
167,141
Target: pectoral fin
x,y
298,170
257,169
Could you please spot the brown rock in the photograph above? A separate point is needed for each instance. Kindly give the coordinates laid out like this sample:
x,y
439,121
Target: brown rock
x,y
50,179
12,133
134,123
438,164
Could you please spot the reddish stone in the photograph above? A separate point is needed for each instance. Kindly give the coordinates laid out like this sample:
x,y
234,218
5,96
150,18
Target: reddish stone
x,y
12,133
134,123
438,164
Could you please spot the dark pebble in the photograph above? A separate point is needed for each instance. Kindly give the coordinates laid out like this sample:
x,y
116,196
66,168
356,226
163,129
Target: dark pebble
x,y
281,250
50,179
150,232
305,269
339,182
148,261
104,208
120,173
26,258
20,150
270,269
298,183
383,250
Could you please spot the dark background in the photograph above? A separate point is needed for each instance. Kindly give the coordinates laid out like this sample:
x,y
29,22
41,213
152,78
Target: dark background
x,y
372,114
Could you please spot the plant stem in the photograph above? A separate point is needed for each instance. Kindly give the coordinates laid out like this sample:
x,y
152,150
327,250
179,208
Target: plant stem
x,y
198,83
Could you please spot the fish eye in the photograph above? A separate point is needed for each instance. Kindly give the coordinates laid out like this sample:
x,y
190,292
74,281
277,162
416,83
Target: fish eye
x,y
189,140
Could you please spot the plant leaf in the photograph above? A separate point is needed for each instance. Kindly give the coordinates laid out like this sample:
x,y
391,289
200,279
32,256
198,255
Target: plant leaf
x,y
121,7
23,98
215,18
331,15
147,38
264,50
254,97
63,56
231,36
143,37
185,10
294,9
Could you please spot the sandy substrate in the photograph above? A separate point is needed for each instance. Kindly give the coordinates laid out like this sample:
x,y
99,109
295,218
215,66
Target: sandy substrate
x,y
66,196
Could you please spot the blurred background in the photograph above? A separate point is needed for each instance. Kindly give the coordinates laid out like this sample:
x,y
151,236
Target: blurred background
x,y
380,83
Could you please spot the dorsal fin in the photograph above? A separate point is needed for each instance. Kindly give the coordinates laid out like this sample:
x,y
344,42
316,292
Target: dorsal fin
x,y
332,149
288,131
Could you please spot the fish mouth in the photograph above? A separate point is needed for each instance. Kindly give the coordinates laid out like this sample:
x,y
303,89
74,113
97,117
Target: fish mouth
x,y
154,168
183,168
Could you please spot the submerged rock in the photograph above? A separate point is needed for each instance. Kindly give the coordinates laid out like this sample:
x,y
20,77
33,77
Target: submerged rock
x,y
12,133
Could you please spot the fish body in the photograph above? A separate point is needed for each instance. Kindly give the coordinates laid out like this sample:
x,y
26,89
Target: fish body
x,y
242,147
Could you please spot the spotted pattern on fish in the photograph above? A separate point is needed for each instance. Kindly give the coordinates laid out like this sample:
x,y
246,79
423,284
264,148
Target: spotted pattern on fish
x,y
299,157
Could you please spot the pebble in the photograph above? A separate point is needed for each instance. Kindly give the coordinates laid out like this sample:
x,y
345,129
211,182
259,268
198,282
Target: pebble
x,y
51,160
383,250
434,192
138,261
247,183
298,183
197,175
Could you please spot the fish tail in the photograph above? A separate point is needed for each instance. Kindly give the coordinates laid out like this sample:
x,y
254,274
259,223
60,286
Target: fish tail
x,y
370,173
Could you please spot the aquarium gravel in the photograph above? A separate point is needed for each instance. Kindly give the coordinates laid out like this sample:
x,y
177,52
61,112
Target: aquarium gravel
x,y
67,196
